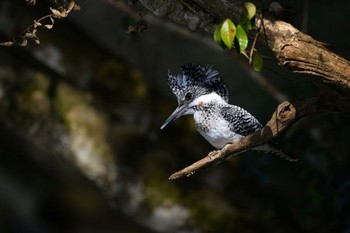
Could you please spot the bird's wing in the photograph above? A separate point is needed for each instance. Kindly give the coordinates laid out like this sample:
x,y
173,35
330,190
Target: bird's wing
x,y
241,121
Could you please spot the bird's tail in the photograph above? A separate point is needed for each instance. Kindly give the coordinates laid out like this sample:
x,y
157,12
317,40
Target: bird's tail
x,y
268,148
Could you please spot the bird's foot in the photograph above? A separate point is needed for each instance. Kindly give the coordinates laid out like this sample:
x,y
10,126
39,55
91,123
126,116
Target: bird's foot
x,y
212,153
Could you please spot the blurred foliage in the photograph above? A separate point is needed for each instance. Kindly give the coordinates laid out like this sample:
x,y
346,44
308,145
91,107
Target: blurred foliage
x,y
81,149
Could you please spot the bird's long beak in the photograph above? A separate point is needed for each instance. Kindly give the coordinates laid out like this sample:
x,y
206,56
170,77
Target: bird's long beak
x,y
179,111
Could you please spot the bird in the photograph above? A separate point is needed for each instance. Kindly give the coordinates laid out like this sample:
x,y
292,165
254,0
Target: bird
x,y
201,92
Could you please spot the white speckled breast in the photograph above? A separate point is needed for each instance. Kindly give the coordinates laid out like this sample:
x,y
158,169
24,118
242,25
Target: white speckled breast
x,y
215,130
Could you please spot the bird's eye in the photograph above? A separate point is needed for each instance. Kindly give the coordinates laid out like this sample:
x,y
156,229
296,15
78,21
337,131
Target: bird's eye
x,y
188,96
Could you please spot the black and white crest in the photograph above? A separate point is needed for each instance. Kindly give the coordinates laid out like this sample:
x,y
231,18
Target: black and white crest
x,y
197,77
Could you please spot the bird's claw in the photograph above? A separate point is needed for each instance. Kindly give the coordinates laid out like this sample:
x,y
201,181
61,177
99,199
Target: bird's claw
x,y
211,153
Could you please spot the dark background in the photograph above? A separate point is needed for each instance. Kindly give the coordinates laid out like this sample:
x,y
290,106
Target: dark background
x,y
80,144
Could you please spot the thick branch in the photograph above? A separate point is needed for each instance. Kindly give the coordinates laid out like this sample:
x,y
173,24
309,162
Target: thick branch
x,y
293,49
286,114
303,54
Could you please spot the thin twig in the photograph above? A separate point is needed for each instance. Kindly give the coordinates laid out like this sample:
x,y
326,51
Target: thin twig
x,y
253,47
30,31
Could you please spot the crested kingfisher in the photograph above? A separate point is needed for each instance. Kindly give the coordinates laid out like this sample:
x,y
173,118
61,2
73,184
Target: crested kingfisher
x,y
202,93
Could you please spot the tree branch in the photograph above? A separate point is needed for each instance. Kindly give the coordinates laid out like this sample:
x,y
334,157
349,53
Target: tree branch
x,y
293,49
303,54
286,114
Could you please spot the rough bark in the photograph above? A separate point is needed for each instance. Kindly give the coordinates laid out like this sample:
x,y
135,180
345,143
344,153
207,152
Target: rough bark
x,y
303,54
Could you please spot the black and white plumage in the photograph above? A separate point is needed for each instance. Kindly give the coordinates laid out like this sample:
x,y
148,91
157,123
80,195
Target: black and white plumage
x,y
199,80
201,92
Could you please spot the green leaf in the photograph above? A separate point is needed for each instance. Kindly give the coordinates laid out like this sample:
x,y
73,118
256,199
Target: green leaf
x,y
250,10
227,32
246,23
257,61
217,34
247,16
242,38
